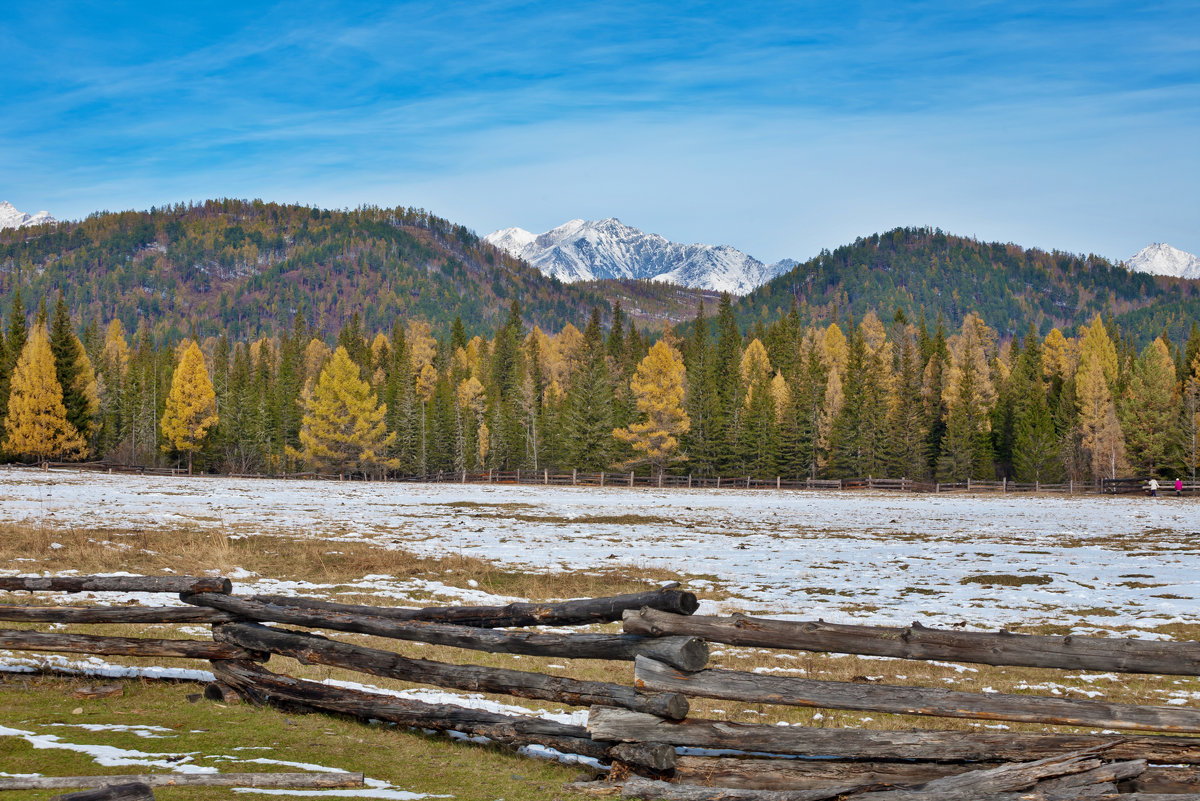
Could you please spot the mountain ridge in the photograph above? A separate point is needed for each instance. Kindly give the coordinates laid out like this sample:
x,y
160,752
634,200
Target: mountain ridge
x,y
1160,258
589,250
12,217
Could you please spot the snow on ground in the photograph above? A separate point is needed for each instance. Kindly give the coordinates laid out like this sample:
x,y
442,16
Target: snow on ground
x,y
189,762
1087,562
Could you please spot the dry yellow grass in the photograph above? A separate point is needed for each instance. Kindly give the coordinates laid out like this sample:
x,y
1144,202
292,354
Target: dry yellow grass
x,y
289,556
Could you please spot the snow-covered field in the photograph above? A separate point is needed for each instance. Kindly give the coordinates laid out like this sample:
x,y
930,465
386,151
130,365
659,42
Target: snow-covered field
x,y
1090,563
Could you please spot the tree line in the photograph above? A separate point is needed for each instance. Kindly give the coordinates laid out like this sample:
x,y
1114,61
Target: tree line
x,y
853,398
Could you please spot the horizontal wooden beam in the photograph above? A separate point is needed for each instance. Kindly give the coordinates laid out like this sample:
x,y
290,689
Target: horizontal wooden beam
x,y
292,780
119,646
917,642
564,613
118,584
312,649
113,614
735,685
263,685
688,653
619,725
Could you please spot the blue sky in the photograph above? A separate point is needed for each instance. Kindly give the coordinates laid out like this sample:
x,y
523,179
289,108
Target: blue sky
x,y
779,128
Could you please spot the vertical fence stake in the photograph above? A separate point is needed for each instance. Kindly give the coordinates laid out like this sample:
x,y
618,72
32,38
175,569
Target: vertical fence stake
x,y
631,478
602,478
689,480
718,482
776,482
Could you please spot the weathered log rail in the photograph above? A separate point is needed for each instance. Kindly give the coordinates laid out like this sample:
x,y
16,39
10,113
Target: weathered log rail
x,y
643,725
918,642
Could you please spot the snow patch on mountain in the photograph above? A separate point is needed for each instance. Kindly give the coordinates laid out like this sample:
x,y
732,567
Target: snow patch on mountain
x,y
11,217
582,250
1162,259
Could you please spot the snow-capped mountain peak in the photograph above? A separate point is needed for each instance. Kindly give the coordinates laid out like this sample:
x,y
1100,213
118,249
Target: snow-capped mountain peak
x,y
11,217
582,250
1162,259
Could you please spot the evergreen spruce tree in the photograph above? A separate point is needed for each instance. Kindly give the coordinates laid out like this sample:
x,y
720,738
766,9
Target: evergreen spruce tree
x,y
1149,411
37,426
1189,427
402,416
191,410
1036,442
907,447
506,419
589,403
968,395
725,424
352,338
703,402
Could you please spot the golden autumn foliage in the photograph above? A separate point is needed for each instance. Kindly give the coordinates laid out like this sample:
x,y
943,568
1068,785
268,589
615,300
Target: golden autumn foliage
x,y
755,368
343,427
658,385
191,405
37,424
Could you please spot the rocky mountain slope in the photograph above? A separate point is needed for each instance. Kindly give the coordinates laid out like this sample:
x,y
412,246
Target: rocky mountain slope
x,y
12,217
582,250
1162,259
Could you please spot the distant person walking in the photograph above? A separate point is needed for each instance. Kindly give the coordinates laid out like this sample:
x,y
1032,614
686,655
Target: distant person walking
x,y
1178,487
1154,488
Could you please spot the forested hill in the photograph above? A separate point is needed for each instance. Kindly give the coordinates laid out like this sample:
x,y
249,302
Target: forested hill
x,y
245,268
917,269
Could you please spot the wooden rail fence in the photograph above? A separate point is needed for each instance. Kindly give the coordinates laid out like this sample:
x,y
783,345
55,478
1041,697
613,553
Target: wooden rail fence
x,y
643,727
544,477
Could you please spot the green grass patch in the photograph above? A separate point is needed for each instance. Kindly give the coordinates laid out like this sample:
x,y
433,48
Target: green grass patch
x,y
227,737
1005,580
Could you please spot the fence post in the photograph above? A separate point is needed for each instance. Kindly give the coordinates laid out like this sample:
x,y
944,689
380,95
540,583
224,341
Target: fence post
x,y
1003,484
968,483
631,478
547,476
1070,486
776,482
1037,485
718,482
574,475
489,475
689,480
602,478
464,477
518,475
747,482
937,487
660,479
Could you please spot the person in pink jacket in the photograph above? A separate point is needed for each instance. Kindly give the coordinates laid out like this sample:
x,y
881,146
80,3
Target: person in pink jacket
x,y
1178,486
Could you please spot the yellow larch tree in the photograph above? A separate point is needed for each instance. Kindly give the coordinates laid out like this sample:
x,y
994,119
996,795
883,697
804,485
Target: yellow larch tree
x,y
755,368
191,411
37,424
1100,431
343,426
1058,355
658,384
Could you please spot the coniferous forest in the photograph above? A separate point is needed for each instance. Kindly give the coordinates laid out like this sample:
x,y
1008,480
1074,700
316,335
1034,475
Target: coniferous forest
x,y
449,357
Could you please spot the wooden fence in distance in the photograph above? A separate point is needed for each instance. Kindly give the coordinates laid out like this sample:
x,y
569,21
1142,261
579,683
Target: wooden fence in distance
x,y
643,727
576,478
